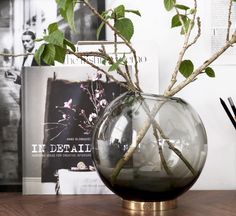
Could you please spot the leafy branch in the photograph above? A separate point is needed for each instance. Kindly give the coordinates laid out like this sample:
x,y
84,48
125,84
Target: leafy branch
x,y
185,22
55,47
67,11
123,28
186,67
204,67
81,56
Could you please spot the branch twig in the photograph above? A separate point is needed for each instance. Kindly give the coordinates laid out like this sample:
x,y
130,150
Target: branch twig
x,y
186,44
115,42
229,19
121,36
199,70
126,75
198,33
80,56
181,20
146,125
15,55
141,134
157,127
163,160
175,150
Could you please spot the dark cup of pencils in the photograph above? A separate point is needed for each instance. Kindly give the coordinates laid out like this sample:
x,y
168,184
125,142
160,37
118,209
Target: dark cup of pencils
x,y
231,116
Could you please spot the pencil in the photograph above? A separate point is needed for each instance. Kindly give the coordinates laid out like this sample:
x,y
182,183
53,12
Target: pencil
x,y
232,106
228,113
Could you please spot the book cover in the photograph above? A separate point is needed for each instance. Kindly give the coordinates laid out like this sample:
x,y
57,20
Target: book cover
x,y
60,108
147,59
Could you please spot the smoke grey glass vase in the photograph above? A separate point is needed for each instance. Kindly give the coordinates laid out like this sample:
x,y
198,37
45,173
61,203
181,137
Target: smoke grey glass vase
x,y
149,148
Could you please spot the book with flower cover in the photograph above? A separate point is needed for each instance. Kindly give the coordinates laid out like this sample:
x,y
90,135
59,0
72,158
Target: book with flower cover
x,y
60,108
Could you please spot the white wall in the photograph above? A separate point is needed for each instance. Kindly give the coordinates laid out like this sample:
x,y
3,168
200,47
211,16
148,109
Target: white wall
x,y
220,169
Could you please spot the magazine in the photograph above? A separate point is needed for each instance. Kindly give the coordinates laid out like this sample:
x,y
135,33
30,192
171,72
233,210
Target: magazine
x,y
60,108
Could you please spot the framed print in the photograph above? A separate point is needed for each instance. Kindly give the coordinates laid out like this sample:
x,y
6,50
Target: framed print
x,y
86,23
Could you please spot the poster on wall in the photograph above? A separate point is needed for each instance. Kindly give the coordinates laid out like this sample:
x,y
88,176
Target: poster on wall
x,y
61,106
9,106
39,14
219,24
17,17
86,23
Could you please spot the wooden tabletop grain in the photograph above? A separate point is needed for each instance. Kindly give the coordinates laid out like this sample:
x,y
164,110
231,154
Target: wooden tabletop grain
x,y
192,203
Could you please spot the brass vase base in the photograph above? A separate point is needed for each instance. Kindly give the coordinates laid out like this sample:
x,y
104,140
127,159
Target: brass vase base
x,y
149,206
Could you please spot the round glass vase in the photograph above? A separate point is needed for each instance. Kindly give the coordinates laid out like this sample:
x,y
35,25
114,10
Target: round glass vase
x,y
149,149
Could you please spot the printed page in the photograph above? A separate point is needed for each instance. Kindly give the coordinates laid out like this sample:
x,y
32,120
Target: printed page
x,y
219,24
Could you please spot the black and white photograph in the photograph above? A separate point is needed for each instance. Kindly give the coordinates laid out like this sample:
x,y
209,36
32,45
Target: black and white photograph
x,y
10,177
21,22
60,109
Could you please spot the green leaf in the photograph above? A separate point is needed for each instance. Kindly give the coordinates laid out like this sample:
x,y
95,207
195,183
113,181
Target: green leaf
x,y
116,64
192,11
99,30
60,54
169,4
106,16
52,27
119,11
182,7
210,72
38,54
38,39
70,14
69,44
186,68
130,100
67,12
61,3
175,22
113,67
125,27
63,14
104,61
186,26
56,38
49,53
134,12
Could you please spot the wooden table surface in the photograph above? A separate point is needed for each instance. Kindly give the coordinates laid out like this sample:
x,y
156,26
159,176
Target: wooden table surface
x,y
192,203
